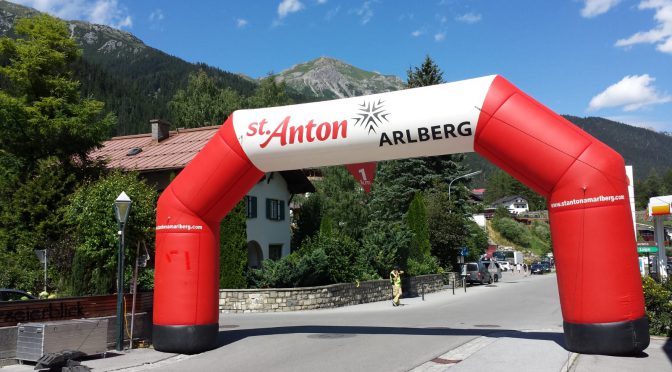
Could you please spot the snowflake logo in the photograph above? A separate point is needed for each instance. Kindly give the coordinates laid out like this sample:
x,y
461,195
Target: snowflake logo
x,y
371,115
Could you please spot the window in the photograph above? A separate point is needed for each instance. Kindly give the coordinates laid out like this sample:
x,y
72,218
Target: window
x,y
251,206
275,209
274,251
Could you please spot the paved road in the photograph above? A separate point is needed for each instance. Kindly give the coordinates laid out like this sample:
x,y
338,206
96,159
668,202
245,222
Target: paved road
x,y
379,337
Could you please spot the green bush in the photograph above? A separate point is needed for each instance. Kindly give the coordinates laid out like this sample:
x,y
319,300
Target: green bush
x,y
512,230
423,265
324,259
658,301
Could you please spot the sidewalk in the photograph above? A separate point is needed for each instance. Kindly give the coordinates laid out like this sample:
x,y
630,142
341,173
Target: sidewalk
x,y
538,350
541,351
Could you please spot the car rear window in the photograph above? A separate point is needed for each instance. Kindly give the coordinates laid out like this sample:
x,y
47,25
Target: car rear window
x,y
472,267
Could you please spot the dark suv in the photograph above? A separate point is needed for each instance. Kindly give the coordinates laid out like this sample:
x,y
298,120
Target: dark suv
x,y
477,272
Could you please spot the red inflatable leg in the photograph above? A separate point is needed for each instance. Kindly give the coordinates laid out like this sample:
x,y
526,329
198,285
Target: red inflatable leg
x,y
186,288
591,224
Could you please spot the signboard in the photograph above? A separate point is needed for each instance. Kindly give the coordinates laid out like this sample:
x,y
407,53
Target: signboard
x,y
647,249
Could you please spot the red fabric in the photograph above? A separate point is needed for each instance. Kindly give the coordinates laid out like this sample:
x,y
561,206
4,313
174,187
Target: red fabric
x,y
186,284
363,173
591,238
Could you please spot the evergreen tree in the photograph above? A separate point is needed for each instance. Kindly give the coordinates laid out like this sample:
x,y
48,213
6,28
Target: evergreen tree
x,y
416,219
233,248
48,130
427,74
41,111
203,103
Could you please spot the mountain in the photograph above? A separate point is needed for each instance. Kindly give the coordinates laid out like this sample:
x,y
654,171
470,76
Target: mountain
x,y
135,81
642,148
329,78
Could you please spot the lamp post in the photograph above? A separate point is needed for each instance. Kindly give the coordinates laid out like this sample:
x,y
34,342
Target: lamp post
x,y
122,207
458,177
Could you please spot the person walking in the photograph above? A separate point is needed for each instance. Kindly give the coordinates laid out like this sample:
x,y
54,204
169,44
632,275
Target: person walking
x,y
395,280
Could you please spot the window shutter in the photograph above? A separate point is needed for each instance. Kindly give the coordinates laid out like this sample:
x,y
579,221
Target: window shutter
x,y
269,205
281,217
254,207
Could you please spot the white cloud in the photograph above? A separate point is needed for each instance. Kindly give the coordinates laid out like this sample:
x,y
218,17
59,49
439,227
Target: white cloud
x,y
439,36
321,2
632,93
107,12
156,16
593,8
365,12
287,7
241,22
331,14
469,18
416,33
662,34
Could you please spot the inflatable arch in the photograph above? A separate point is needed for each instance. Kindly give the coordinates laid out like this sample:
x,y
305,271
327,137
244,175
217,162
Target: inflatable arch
x,y
583,180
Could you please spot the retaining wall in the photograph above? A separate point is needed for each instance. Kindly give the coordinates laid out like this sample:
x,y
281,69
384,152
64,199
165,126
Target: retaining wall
x,y
328,296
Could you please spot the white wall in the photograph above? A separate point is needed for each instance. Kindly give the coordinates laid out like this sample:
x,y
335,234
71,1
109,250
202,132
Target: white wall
x,y
263,230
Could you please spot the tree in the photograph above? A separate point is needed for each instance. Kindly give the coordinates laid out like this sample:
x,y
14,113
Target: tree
x,y
91,221
449,232
47,131
41,111
269,94
203,103
416,219
427,74
233,248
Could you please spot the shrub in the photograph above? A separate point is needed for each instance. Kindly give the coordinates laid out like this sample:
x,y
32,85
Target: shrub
x,y
658,300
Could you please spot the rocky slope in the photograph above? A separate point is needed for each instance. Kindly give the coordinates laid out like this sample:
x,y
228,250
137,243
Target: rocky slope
x,y
329,78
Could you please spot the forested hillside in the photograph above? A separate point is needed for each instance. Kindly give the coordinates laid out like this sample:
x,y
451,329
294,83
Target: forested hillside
x,y
644,149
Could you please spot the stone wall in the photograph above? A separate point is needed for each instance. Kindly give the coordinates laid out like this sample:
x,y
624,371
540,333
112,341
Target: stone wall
x,y
328,296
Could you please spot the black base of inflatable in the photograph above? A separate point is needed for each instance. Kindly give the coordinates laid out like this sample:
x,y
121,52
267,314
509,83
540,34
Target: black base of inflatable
x,y
620,338
191,339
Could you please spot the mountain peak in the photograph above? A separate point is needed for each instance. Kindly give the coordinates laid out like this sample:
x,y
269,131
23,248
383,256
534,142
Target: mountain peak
x,y
328,78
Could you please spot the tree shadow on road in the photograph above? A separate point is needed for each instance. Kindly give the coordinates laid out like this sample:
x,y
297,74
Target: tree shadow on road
x,y
330,331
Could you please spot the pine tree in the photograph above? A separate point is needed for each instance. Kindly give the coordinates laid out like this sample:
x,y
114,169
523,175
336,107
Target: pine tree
x,y
233,248
416,219
427,74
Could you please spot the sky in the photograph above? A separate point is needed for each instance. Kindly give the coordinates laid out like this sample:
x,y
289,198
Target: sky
x,y
607,58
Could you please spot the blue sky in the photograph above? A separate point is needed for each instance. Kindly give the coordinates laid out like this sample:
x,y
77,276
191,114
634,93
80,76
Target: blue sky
x,y
609,58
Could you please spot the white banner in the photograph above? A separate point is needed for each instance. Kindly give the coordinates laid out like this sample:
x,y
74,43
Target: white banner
x,y
434,120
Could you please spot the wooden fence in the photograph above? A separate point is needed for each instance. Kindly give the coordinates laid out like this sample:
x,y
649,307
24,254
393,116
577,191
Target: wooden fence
x,y
15,312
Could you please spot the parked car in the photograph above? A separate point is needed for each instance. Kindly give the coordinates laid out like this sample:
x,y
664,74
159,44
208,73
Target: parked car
x,y
476,272
7,294
546,265
504,265
537,269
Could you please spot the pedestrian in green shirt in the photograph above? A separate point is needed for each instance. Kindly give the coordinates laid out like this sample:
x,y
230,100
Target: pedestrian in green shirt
x,y
395,280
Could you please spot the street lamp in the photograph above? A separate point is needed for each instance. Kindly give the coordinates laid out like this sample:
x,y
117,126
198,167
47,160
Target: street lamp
x,y
122,207
462,176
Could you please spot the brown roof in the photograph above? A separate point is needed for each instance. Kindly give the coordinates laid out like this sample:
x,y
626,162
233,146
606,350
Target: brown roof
x,y
175,152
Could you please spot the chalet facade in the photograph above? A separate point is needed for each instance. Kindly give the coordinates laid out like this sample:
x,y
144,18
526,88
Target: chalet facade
x,y
161,155
514,204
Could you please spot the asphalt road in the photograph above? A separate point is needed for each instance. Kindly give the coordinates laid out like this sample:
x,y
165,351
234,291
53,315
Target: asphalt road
x,y
379,337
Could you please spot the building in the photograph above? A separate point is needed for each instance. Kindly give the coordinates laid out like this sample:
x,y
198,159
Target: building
x,y
159,156
514,204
